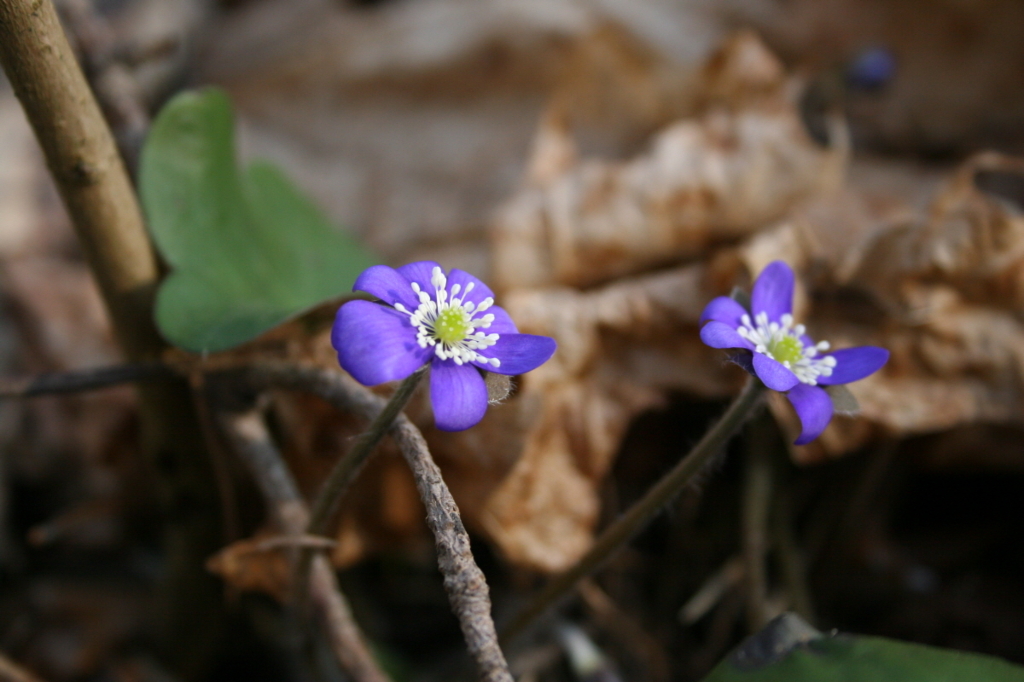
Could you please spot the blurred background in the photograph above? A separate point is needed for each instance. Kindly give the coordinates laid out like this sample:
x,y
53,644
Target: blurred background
x,y
608,166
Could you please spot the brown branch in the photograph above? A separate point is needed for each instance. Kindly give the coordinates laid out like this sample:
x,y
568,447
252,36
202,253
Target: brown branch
x,y
251,440
83,380
84,161
463,580
116,89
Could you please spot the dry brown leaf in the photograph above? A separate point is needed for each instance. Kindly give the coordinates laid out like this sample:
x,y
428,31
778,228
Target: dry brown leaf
x,y
744,162
247,566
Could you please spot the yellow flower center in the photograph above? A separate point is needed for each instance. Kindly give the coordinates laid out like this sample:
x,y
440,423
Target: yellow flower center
x,y
788,349
452,325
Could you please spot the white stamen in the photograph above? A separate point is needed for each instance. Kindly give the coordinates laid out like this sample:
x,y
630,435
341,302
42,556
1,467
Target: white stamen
x,y
766,337
425,320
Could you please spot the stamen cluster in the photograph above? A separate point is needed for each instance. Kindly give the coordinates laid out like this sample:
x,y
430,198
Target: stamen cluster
x,y
785,343
449,324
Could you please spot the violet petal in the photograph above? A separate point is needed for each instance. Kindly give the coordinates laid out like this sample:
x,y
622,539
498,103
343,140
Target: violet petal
x,y
388,285
458,395
478,293
855,363
814,408
773,373
518,353
376,343
502,323
421,272
721,335
773,291
723,309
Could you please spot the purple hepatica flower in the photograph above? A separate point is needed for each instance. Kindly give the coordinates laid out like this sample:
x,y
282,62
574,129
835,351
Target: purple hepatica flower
x,y
436,318
780,354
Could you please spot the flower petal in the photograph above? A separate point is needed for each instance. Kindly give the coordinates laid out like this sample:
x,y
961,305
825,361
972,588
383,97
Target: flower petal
x,y
458,395
502,323
376,343
855,363
420,272
773,373
723,309
518,353
478,293
814,408
773,291
721,335
388,285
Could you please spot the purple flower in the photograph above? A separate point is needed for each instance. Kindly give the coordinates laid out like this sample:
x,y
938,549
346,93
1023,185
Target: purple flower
x,y
780,354
427,316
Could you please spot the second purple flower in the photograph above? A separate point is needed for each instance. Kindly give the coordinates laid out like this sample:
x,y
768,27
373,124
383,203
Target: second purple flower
x,y
448,320
780,353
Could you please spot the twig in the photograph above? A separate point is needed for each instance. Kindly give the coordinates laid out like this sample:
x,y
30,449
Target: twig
x,y
249,435
712,591
345,471
118,93
83,380
756,506
463,580
620,531
626,629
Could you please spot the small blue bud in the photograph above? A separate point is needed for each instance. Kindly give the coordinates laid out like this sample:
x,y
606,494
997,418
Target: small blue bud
x,y
871,69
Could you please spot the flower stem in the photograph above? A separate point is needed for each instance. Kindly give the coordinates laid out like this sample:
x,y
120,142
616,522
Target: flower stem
x,y
617,534
345,471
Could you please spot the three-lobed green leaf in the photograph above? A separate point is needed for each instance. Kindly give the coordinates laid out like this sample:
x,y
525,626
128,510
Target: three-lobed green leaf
x,y
246,250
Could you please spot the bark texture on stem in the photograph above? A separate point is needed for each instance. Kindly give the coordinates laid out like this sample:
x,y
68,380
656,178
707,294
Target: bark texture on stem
x,y
86,166
464,582
91,178
249,436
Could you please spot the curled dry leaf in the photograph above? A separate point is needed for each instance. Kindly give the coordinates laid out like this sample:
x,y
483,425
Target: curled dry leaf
x,y
742,163
247,566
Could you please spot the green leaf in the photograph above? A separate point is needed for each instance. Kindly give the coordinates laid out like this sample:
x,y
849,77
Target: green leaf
x,y
247,251
789,650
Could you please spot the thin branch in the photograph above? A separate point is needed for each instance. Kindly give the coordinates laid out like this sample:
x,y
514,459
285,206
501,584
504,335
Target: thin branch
x,y
619,532
83,380
344,472
463,580
249,435
349,466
